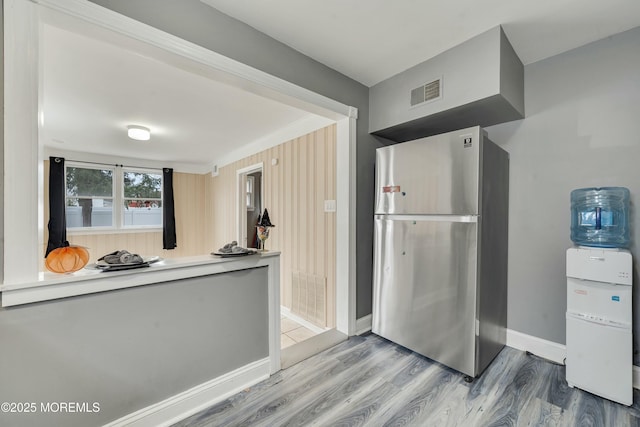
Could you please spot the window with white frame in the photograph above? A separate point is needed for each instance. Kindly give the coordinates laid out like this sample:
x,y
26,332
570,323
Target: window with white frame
x,y
142,205
89,196
250,193
93,191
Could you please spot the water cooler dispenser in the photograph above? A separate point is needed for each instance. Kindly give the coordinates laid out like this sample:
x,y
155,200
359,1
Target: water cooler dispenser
x,y
599,289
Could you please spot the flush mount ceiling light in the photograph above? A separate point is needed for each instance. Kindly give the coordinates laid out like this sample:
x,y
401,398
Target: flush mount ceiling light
x,y
139,133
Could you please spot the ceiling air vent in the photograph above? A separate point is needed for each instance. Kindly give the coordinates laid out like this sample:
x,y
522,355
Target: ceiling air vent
x,y
426,92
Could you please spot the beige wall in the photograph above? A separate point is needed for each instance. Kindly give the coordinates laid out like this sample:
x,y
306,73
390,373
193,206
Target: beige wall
x,y
192,208
294,192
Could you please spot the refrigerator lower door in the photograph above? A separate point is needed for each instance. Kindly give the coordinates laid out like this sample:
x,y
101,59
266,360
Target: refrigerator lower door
x,y
425,286
599,359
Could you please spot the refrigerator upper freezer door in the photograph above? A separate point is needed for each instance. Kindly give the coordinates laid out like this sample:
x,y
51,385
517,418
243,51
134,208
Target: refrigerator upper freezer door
x,y
425,287
435,175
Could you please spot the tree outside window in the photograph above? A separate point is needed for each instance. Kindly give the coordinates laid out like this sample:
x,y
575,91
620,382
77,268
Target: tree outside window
x,y
142,199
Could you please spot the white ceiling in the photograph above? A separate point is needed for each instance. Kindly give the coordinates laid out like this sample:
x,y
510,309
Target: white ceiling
x,y
371,40
93,89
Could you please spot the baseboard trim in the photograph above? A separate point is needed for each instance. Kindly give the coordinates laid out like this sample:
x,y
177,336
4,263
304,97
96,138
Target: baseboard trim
x,y
286,312
549,350
298,352
363,324
189,402
538,346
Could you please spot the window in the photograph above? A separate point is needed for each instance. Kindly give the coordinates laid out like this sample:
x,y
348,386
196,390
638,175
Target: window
x,y
93,191
250,193
89,199
142,205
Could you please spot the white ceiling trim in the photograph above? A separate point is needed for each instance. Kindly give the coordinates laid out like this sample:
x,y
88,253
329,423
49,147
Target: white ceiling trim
x,y
106,159
260,82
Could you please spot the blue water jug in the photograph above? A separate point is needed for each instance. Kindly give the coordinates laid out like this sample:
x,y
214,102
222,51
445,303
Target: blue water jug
x,y
600,217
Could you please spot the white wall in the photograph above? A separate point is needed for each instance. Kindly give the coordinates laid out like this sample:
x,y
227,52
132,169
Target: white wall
x,y
582,129
2,140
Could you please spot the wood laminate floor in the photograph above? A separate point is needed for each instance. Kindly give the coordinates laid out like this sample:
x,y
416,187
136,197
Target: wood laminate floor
x,y
369,381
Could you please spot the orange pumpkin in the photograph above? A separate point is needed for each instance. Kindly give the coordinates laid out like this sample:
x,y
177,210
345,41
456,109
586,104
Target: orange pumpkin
x,y
67,259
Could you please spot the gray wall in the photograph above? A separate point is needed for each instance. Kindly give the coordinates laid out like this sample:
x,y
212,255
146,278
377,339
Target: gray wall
x,y
470,71
196,22
581,130
482,83
130,348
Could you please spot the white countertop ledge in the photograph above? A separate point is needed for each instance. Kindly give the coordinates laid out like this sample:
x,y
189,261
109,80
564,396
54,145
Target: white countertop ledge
x,y
50,286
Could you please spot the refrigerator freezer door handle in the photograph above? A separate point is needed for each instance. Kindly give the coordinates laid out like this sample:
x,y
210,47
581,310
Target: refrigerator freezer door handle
x,y
434,218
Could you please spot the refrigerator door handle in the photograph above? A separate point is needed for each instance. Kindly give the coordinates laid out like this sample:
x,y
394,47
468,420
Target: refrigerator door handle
x,y
433,218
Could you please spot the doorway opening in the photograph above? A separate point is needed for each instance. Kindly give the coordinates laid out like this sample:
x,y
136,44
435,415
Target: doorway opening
x,y
250,201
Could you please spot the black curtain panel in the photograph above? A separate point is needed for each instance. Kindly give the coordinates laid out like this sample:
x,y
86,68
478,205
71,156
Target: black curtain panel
x,y
168,211
57,217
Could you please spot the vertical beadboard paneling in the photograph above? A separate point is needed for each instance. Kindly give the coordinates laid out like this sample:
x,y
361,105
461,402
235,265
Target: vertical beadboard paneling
x,y
189,209
207,238
330,224
294,193
294,164
287,209
320,192
305,211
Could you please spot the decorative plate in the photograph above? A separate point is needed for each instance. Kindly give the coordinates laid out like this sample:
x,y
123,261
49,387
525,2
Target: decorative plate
x,y
145,260
233,254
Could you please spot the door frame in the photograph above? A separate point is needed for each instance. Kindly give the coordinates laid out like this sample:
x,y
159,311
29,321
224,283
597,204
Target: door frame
x,y
241,208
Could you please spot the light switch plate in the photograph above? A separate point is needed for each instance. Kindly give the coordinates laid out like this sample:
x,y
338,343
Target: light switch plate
x,y
329,205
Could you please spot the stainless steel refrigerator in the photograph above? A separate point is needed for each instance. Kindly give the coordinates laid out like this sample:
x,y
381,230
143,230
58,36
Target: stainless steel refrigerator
x,y
440,256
